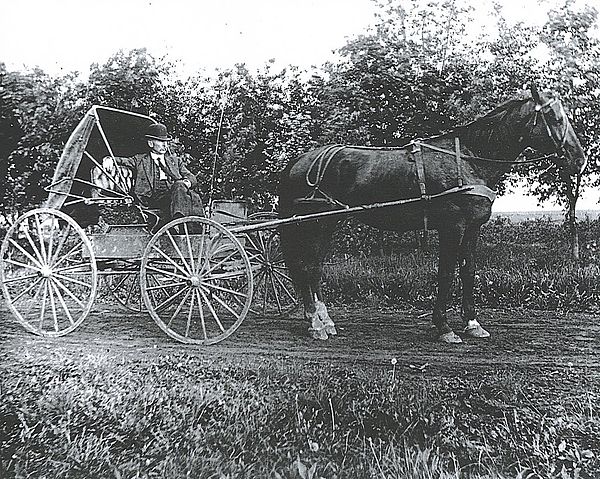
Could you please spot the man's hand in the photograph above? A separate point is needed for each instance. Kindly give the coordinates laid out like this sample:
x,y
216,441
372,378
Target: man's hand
x,y
108,164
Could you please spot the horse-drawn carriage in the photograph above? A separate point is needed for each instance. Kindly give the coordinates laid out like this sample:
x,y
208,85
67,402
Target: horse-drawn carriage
x,y
197,277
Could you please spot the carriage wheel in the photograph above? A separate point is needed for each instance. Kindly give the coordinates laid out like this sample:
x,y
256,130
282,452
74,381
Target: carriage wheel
x,y
48,272
196,280
273,290
125,288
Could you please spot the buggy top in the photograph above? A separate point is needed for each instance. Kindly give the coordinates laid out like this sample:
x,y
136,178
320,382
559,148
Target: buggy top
x,y
103,131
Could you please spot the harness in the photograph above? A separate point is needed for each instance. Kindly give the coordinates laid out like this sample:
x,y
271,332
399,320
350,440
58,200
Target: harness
x,y
317,169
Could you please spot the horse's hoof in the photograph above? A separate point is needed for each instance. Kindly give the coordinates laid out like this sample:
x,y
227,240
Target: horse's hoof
x,y
450,338
476,332
320,334
330,330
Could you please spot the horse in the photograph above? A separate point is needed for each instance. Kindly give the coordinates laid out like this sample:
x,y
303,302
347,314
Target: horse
x,y
452,177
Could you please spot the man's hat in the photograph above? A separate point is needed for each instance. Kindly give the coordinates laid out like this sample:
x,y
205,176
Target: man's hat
x,y
157,131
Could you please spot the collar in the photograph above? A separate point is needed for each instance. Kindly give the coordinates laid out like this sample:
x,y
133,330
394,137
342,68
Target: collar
x,y
156,156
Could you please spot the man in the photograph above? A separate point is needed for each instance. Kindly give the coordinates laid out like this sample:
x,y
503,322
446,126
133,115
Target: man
x,y
162,181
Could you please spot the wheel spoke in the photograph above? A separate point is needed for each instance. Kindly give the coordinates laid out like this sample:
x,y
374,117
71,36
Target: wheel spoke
x,y
68,291
179,307
166,286
72,251
62,302
50,242
26,290
225,290
61,244
33,247
165,256
20,278
189,316
265,294
201,314
22,250
178,251
284,287
275,293
225,305
53,306
211,309
189,245
229,275
41,238
170,299
72,280
43,310
201,249
165,272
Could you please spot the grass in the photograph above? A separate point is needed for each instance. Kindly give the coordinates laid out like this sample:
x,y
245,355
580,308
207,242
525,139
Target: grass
x,y
172,416
525,264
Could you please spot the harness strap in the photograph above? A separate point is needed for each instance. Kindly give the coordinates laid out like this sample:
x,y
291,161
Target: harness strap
x,y
318,167
481,190
417,154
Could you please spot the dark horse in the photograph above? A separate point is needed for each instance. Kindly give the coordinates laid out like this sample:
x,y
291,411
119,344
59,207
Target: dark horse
x,y
451,176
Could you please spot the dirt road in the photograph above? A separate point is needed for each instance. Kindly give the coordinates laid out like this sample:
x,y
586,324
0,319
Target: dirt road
x,y
366,335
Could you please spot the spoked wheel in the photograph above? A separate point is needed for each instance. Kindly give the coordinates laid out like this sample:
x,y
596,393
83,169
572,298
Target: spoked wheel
x,y
124,286
196,280
48,272
273,289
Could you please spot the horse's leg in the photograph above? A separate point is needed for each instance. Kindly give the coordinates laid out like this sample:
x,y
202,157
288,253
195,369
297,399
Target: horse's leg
x,y
304,246
467,276
450,240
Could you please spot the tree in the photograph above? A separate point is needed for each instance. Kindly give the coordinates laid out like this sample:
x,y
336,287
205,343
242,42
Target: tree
x,y
10,129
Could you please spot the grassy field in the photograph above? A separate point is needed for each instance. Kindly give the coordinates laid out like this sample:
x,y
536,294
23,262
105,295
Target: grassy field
x,y
173,416
520,263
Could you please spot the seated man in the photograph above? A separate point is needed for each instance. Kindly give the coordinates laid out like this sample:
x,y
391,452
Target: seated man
x,y
162,180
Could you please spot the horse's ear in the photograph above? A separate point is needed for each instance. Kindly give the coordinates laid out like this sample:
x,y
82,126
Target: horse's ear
x,y
535,94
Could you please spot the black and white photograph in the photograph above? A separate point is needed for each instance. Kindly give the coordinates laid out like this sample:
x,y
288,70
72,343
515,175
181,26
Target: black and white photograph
x,y
300,239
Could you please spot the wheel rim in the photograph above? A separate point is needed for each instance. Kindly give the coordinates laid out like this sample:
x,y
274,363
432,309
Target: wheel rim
x,y
273,290
196,280
48,272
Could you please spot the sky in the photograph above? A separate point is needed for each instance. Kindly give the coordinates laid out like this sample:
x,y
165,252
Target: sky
x,y
62,36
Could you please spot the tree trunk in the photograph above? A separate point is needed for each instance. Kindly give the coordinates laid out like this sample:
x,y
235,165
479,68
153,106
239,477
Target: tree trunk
x,y
573,233
572,196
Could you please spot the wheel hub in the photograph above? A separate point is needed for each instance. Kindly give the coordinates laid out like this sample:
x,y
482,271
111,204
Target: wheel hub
x,y
194,281
46,271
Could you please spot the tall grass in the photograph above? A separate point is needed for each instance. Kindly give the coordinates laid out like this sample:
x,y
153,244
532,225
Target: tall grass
x,y
526,264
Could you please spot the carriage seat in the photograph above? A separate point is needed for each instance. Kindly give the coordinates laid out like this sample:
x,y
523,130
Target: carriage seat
x,y
104,184
101,195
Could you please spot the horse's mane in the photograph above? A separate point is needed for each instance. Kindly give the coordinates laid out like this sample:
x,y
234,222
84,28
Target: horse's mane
x,y
491,124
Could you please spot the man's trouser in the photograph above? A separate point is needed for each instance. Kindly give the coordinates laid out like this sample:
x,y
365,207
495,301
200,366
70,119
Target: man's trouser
x,y
175,202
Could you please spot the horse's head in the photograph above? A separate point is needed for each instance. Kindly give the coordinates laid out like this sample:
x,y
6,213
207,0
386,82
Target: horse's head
x,y
552,132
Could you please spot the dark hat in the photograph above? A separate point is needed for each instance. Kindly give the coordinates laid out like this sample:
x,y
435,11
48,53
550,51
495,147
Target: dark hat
x,y
158,131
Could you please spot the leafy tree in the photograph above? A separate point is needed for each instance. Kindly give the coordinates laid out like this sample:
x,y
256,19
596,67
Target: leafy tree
x,y
10,129
48,110
129,80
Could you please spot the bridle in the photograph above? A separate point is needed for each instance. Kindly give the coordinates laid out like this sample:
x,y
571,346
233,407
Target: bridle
x,y
539,112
